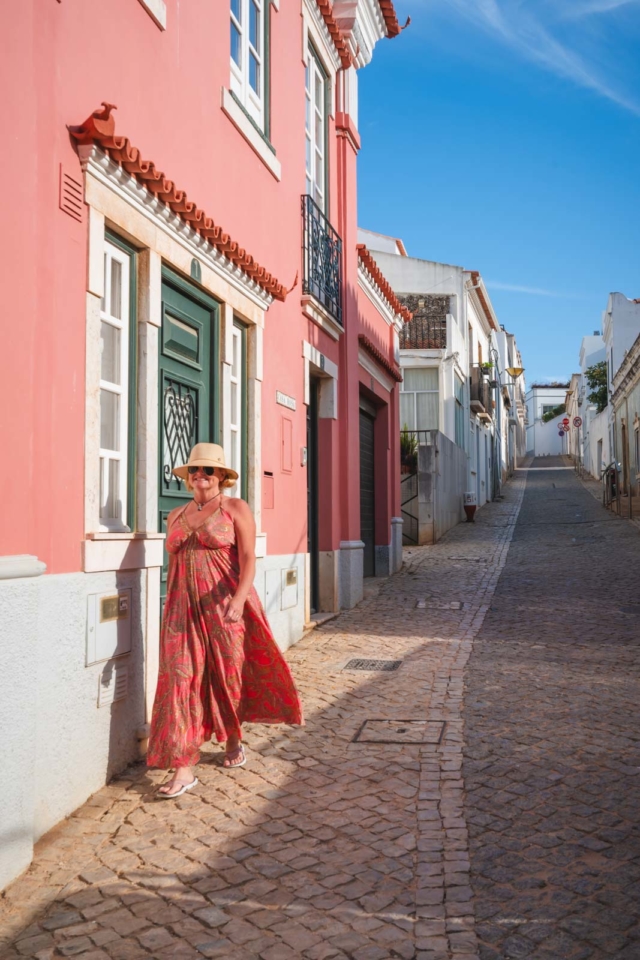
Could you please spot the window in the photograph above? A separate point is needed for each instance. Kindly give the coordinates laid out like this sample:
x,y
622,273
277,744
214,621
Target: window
x,y
248,42
117,331
316,129
459,424
547,408
419,399
238,410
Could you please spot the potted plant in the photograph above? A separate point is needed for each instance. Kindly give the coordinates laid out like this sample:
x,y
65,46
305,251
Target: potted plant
x,y
408,450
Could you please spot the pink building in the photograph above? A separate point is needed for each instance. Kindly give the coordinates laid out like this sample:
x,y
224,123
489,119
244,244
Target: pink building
x,y
182,267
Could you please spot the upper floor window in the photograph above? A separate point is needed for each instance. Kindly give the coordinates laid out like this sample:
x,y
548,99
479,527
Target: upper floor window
x,y
316,129
248,41
117,330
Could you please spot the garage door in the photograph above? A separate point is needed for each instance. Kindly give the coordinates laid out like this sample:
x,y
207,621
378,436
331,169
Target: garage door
x,y
367,493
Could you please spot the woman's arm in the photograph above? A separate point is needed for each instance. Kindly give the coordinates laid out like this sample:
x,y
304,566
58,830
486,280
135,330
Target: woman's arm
x,y
245,527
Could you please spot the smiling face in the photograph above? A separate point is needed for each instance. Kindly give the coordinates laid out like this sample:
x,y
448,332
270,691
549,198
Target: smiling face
x,y
206,486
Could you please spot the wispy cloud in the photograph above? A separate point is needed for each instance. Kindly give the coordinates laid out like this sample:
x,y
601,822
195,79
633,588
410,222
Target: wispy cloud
x,y
577,10
534,291
526,27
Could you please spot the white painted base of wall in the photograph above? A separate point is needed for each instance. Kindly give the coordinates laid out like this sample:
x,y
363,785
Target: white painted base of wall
x,y
59,746
284,605
351,571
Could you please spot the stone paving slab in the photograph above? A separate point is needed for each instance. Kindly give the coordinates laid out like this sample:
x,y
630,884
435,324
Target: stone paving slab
x,y
552,755
321,847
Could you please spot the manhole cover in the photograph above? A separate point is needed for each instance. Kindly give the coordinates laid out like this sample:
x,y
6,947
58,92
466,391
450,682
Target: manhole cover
x,y
373,665
400,731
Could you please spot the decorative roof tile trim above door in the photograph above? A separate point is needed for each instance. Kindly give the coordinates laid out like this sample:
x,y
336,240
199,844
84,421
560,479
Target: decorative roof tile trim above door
x,y
99,129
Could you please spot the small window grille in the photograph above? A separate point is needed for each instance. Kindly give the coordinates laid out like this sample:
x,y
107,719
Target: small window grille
x,y
71,195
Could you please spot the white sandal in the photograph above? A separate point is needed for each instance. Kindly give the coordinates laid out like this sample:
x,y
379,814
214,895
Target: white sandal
x,y
183,789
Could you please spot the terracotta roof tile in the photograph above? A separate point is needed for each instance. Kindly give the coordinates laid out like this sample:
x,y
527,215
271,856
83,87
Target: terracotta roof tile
x,y
475,276
392,369
100,128
326,9
391,19
378,277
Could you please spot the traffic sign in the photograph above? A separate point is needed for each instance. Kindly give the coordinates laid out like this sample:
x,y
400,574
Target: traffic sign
x,y
561,433
577,421
565,420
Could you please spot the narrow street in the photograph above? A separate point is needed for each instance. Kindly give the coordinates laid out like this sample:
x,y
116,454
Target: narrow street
x,y
481,800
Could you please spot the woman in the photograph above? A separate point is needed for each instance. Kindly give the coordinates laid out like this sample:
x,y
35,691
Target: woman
x,y
219,663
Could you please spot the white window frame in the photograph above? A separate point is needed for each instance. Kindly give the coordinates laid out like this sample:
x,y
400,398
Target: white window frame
x,y
253,101
237,380
415,394
120,456
315,152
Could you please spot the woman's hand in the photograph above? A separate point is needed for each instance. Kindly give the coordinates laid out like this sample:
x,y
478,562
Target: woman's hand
x,y
234,609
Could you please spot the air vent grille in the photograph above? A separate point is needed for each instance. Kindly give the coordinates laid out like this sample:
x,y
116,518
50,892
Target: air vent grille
x,y
71,199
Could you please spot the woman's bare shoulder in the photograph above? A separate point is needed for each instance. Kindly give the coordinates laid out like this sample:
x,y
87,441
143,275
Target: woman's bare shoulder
x,y
237,508
173,516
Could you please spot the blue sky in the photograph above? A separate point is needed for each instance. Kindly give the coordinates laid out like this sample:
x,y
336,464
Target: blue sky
x,y
504,136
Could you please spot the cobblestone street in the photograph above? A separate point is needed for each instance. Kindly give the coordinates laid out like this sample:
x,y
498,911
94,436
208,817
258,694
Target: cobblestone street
x,y
348,838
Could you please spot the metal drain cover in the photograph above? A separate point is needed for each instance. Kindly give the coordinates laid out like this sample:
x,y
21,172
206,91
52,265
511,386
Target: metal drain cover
x,y
400,731
374,666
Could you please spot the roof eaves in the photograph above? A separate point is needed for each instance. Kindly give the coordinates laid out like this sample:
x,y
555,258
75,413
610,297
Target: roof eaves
x,y
339,41
370,264
99,128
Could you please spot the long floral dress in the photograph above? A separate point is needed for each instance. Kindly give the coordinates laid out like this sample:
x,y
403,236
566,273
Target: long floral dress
x,y
214,674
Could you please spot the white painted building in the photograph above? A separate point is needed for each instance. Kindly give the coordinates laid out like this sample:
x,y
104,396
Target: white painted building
x,y
512,438
445,354
589,443
543,438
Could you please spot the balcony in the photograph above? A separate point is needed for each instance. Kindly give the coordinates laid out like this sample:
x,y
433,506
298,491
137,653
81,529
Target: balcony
x,y
424,333
480,393
321,262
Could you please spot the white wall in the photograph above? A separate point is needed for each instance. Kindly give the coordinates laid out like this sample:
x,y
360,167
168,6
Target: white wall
x,y
598,430
543,439
59,747
621,326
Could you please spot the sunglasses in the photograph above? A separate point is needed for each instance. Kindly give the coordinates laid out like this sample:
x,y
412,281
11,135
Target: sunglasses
x,y
208,470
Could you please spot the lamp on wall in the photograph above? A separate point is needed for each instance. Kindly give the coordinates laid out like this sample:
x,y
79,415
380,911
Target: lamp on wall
x,y
515,371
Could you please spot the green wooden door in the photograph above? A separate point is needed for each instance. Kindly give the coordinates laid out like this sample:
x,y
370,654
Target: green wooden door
x,y
188,386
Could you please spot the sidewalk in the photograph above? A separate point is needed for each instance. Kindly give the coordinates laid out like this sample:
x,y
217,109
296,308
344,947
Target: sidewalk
x,y
321,847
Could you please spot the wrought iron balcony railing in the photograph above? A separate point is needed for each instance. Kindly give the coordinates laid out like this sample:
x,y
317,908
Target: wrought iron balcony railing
x,y
322,259
424,333
480,392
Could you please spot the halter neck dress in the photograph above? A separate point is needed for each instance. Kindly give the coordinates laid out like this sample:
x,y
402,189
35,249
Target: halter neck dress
x,y
214,675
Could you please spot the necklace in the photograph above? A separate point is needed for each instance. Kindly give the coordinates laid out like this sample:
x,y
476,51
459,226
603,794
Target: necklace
x,y
201,505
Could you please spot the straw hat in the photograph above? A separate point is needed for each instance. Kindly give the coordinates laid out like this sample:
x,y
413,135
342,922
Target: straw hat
x,y
205,455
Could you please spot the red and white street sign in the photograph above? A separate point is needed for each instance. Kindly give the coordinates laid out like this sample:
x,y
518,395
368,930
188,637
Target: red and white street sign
x,y
565,420
577,421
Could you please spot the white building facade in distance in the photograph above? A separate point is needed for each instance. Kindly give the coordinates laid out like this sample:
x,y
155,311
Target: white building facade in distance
x,y
544,438
448,357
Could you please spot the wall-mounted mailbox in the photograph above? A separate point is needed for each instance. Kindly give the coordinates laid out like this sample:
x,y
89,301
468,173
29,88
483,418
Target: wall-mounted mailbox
x,y
108,625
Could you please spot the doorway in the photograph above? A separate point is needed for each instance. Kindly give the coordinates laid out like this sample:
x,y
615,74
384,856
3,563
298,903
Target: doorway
x,y
312,496
188,387
367,488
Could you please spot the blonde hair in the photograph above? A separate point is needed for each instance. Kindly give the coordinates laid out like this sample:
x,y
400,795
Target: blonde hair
x,y
223,484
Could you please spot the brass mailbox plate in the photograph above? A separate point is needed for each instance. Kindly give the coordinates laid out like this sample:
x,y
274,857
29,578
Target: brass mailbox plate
x,y
114,608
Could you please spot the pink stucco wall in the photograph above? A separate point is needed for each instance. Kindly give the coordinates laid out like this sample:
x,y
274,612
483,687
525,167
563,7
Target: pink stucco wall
x,y
64,58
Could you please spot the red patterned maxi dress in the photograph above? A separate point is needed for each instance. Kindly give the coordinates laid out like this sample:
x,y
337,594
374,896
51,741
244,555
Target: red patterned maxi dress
x,y
214,674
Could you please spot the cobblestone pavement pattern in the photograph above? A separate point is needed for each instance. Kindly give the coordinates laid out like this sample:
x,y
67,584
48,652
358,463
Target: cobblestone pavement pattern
x,y
552,755
323,847
320,847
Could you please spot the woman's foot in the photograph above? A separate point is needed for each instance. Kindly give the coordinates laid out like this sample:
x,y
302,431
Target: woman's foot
x,y
234,754
181,781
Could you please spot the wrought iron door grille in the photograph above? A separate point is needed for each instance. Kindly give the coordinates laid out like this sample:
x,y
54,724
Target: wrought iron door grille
x,y
180,416
322,259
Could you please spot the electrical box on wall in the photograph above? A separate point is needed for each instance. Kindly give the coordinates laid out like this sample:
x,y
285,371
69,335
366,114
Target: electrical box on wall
x,y
108,625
